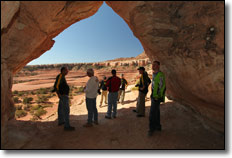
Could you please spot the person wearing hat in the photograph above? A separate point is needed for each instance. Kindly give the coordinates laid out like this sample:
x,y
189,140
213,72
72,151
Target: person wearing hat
x,y
104,90
143,84
121,92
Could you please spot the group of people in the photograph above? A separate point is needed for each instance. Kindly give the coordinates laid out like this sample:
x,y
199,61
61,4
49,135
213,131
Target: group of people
x,y
115,87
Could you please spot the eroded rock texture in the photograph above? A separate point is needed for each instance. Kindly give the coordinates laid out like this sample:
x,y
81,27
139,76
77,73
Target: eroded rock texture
x,y
27,30
186,37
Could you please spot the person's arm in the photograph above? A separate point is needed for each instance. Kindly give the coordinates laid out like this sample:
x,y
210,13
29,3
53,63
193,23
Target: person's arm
x,y
57,85
143,82
126,83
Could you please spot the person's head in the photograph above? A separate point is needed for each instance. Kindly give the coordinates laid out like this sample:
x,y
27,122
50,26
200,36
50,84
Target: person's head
x,y
113,72
141,70
90,72
64,70
155,65
104,78
122,75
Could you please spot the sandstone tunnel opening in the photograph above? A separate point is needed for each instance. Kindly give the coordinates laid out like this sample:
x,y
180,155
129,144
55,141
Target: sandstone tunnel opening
x,y
178,34
32,85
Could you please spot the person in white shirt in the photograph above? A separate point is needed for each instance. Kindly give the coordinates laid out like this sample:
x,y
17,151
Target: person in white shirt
x,y
91,92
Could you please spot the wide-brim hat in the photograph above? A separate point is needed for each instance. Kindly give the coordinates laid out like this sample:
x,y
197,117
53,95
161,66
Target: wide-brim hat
x,y
141,68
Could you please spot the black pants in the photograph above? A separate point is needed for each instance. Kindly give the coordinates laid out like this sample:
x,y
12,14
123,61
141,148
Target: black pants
x,y
154,116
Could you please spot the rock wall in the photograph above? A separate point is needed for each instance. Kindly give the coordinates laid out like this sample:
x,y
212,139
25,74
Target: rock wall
x,y
186,37
27,30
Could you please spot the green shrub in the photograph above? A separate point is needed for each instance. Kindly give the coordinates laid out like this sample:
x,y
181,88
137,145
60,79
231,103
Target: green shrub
x,y
27,100
42,99
40,112
33,74
18,107
46,106
20,113
16,100
21,93
42,91
34,118
33,93
15,92
27,107
36,107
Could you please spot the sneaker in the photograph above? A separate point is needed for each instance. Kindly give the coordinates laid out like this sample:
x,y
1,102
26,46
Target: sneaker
x,y
70,128
59,124
140,115
95,122
88,125
107,117
134,110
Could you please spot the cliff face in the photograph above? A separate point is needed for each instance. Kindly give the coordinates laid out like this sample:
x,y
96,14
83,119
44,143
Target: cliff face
x,y
186,37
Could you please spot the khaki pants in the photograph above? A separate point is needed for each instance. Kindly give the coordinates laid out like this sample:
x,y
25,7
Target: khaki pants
x,y
104,94
121,94
140,107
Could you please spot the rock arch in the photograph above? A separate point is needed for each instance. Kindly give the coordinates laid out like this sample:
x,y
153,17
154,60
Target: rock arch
x,y
186,37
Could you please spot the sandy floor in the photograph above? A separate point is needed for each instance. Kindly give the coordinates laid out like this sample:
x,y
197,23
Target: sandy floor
x,y
182,129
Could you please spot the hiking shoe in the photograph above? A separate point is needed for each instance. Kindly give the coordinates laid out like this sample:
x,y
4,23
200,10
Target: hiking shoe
x,y
107,117
59,124
140,115
88,125
70,128
95,122
134,110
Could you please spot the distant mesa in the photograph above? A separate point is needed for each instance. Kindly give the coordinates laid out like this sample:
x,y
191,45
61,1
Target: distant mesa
x,y
140,60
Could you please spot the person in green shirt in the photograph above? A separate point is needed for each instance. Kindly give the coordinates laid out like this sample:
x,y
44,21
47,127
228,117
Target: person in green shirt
x,y
158,89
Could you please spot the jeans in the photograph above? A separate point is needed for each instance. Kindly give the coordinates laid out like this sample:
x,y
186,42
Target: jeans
x,y
112,101
92,110
64,110
154,116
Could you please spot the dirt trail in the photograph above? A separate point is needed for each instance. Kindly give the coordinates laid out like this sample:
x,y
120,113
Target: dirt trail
x,y
181,130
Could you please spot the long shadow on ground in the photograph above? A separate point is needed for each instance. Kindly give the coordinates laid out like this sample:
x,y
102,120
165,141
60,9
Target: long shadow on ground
x,y
180,130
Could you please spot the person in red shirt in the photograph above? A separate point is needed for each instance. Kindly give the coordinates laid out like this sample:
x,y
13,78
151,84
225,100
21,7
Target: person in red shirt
x,y
113,83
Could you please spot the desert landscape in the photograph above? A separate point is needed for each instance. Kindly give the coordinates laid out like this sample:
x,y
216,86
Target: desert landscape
x,y
32,86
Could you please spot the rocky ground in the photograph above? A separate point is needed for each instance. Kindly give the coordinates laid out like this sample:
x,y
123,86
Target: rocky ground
x,y
181,129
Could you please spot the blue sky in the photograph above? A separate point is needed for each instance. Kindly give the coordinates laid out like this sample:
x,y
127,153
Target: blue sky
x,y
103,36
